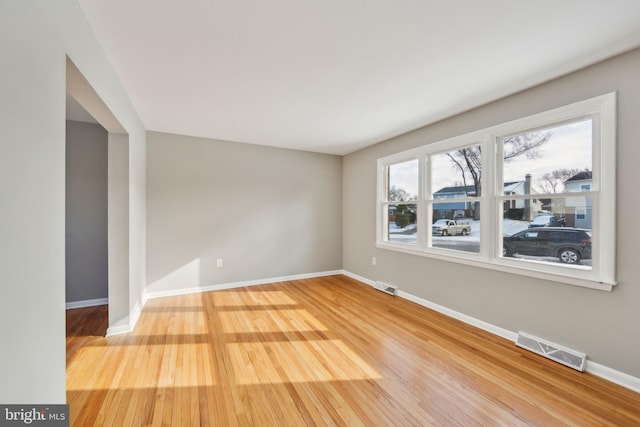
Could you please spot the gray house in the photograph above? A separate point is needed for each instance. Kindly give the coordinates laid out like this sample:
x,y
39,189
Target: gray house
x,y
453,209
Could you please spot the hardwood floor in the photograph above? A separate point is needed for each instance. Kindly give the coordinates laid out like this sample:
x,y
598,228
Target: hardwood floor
x,y
326,351
85,325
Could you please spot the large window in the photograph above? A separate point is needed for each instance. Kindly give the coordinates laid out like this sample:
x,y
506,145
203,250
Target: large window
x,y
534,196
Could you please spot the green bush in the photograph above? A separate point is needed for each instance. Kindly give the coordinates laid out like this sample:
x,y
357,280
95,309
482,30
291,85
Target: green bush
x,y
402,220
515,213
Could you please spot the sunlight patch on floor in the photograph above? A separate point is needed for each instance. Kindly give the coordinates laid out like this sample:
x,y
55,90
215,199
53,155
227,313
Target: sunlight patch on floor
x,y
297,361
251,321
251,298
168,365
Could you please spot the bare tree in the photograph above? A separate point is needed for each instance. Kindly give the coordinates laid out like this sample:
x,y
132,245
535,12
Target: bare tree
x,y
553,182
399,195
526,143
469,159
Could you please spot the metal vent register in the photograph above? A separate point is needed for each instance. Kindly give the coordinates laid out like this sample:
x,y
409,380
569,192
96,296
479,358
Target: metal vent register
x,y
389,289
555,352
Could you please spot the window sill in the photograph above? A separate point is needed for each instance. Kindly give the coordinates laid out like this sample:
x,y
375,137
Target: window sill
x,y
499,264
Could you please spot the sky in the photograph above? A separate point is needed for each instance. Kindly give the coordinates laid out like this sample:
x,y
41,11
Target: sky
x,y
569,147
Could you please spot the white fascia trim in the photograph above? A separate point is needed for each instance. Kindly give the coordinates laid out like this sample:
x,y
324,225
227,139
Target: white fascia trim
x,y
86,303
609,374
232,285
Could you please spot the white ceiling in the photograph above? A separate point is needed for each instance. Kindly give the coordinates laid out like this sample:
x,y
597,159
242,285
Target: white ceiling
x,y
334,76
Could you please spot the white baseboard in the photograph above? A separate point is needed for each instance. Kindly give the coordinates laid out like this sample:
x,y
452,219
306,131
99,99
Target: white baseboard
x,y
480,324
620,378
232,285
118,330
609,374
359,278
134,315
86,303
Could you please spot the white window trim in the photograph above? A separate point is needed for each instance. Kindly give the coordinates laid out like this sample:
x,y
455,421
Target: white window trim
x,y
602,110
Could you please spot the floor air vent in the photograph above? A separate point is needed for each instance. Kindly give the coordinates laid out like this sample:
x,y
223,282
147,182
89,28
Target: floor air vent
x,y
391,290
568,357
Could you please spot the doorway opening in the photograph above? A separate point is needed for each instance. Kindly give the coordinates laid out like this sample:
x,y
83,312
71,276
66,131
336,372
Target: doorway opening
x,y
97,207
86,209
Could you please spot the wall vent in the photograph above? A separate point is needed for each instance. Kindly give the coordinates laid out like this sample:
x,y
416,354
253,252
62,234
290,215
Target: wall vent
x,y
568,357
389,289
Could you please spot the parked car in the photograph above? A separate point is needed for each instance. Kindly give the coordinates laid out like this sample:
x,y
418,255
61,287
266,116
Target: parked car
x,y
569,245
448,227
547,221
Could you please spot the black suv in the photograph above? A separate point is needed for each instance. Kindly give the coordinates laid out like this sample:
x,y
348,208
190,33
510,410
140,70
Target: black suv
x,y
570,245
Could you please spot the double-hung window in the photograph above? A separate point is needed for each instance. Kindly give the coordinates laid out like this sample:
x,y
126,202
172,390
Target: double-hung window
x,y
480,198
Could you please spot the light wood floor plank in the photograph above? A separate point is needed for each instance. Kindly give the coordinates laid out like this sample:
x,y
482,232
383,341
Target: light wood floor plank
x,y
325,351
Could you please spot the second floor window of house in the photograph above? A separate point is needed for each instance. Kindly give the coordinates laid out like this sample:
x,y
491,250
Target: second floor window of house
x,y
534,196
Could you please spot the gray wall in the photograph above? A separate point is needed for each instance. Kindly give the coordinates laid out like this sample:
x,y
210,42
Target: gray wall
x,y
602,324
265,212
86,212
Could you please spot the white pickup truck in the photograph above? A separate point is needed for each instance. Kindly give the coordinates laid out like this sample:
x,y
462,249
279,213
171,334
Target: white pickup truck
x,y
448,227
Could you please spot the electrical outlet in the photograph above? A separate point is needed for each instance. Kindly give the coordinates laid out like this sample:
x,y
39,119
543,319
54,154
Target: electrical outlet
x,y
373,261
219,262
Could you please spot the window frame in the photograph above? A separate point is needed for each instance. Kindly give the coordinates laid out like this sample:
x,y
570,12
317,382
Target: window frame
x,y
602,111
